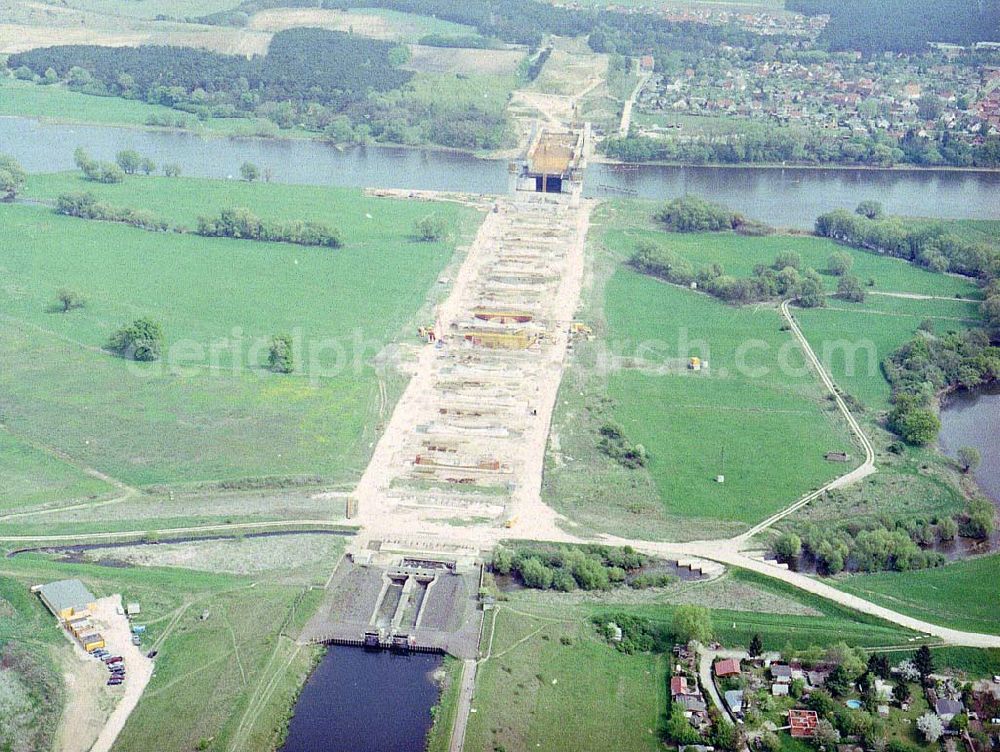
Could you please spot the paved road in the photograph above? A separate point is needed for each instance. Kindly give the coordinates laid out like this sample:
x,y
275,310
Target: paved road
x,y
464,705
706,658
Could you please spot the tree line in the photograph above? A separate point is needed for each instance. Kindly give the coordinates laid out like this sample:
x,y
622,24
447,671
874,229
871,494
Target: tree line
x,y
568,568
770,144
243,224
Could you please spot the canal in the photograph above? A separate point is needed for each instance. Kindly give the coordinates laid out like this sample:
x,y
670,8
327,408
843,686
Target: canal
x,y
362,701
791,197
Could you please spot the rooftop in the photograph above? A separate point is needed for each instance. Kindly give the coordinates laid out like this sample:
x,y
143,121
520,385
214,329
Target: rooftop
x,y
64,594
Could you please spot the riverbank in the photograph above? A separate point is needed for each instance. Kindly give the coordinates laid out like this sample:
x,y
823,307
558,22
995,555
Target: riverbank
x,y
601,159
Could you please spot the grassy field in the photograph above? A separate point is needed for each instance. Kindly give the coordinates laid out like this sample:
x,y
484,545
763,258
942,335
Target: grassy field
x,y
615,700
439,737
219,416
738,255
31,476
766,433
765,427
380,23
534,691
21,98
962,595
212,676
852,340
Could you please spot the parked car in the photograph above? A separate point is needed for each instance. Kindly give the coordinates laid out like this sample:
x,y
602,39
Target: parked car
x,y
114,659
114,682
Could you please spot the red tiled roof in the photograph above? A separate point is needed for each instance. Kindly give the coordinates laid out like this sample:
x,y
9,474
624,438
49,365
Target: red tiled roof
x,y
678,685
727,667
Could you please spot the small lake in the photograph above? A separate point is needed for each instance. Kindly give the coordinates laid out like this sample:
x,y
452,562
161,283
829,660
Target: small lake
x,y
361,701
784,197
973,419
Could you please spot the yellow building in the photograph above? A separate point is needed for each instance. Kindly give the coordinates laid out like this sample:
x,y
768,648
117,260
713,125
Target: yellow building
x,y
66,598
92,642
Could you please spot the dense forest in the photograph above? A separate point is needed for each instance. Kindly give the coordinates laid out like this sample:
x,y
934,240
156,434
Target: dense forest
x,y
302,65
902,25
347,87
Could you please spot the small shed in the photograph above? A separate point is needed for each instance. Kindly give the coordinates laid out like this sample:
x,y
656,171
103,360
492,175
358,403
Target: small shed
x,y
781,673
727,667
779,690
132,609
66,598
678,686
734,699
92,642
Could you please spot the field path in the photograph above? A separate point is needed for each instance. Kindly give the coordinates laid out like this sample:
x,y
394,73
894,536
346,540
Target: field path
x,y
863,470
464,706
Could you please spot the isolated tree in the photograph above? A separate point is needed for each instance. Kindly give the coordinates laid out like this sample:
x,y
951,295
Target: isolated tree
x,y
141,340
129,160
839,263
969,458
849,288
148,166
930,727
70,299
756,646
12,177
901,691
172,170
50,77
788,546
249,172
279,355
431,228
923,661
692,623
870,209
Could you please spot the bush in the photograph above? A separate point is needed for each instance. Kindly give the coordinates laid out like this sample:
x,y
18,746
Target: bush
x,y
693,214
280,354
616,445
788,546
141,340
431,228
245,225
86,206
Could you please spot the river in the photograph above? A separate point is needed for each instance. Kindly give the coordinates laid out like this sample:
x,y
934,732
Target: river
x,y
361,701
973,419
791,197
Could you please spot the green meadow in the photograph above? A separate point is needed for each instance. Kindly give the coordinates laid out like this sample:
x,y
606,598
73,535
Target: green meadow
x,y
208,411
738,255
30,476
962,595
762,425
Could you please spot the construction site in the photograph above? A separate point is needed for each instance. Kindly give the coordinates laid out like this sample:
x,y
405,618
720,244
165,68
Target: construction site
x,y
467,438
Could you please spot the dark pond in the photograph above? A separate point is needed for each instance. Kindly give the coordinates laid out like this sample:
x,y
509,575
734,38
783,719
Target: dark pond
x,y
360,701
782,197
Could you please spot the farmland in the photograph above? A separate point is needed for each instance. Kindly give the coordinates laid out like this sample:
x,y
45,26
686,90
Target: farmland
x,y
371,22
217,417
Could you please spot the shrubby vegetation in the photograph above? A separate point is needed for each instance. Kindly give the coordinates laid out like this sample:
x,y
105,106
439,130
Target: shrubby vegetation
x,y
245,225
693,214
616,445
780,281
927,365
928,244
32,700
86,206
99,172
141,340
12,177
563,568
280,355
